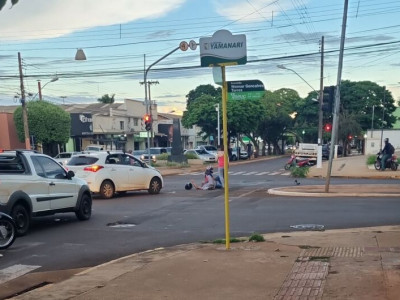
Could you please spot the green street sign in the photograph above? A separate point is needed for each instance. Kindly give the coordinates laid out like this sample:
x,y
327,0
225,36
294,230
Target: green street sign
x,y
245,90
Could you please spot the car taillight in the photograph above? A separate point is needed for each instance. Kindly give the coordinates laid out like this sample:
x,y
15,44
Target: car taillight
x,y
93,168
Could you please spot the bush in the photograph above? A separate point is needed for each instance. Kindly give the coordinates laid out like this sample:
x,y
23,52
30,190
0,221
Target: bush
x,y
256,238
191,156
299,172
163,156
371,159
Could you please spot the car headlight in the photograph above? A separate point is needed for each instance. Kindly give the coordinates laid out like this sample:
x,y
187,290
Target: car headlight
x,y
142,157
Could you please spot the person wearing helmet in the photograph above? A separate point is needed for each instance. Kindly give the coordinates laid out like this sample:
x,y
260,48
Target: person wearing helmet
x,y
387,153
209,182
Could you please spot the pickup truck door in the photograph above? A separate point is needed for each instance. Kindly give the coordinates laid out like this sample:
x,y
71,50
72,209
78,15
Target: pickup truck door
x,y
63,192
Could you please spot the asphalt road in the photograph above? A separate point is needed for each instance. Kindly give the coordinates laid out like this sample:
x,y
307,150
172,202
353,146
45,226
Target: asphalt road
x,y
138,221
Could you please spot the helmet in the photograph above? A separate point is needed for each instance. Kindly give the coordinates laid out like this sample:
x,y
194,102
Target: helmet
x,y
386,140
188,186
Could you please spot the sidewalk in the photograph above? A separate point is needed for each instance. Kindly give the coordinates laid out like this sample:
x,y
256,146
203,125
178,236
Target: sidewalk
x,y
361,263
335,264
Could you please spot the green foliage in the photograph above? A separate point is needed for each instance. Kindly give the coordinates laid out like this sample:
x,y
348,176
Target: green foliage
x,y
107,99
163,156
232,240
371,159
256,238
191,156
299,172
47,122
205,89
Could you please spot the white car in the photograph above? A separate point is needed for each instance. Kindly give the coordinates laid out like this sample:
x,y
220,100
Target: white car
x,y
108,173
63,157
33,184
201,154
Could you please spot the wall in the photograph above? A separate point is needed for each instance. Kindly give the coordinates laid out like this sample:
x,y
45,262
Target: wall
x,y
375,138
8,133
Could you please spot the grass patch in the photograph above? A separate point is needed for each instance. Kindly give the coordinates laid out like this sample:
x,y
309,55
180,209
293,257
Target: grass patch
x,y
299,172
232,240
256,238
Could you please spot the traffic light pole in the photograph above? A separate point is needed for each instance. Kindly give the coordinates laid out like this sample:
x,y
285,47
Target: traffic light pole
x,y
145,91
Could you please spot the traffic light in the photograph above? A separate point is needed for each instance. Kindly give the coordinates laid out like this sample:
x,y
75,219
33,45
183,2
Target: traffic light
x,y
147,122
328,100
328,127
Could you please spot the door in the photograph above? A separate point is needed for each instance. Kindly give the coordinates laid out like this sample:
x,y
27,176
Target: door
x,y
63,192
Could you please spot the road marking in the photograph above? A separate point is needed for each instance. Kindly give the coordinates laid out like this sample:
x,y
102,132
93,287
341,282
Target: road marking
x,y
274,173
237,173
262,173
250,173
286,174
15,271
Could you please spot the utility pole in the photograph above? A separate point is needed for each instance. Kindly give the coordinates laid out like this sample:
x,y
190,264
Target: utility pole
x,y
24,111
40,90
320,113
336,108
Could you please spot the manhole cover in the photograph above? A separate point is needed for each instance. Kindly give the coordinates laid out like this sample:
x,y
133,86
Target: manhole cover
x,y
120,225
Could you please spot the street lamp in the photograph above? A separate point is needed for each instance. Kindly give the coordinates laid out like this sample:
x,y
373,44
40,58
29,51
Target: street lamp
x,y
284,68
320,114
42,87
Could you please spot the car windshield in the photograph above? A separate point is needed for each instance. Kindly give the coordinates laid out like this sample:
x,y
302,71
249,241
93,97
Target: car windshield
x,y
210,148
201,152
82,160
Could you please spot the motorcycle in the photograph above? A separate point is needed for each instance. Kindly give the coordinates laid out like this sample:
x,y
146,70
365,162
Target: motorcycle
x,y
8,231
391,162
300,162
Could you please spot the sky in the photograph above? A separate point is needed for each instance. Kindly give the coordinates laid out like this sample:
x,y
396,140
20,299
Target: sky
x,y
123,37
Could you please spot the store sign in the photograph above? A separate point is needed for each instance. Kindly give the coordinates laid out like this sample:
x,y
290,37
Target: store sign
x,y
81,124
245,90
223,49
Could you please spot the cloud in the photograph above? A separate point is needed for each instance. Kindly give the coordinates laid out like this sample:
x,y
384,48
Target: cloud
x,y
252,11
56,18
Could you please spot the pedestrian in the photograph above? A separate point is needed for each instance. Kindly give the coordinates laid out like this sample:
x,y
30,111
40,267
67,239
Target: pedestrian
x,y
249,150
221,164
387,153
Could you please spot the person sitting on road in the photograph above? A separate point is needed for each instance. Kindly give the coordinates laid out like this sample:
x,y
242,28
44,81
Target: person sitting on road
x,y
209,181
387,153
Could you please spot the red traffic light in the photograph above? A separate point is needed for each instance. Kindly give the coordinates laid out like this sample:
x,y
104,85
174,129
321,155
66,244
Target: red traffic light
x,y
328,127
146,118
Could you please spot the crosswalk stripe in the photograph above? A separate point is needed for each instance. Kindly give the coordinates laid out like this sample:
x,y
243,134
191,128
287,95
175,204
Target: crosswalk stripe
x,y
286,174
262,173
274,173
15,271
250,173
237,173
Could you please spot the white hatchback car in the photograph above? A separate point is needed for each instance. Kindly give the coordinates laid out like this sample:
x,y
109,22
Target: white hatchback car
x,y
108,173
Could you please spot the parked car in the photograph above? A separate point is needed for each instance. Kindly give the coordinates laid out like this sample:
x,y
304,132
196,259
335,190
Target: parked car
x,y
237,151
34,184
209,148
108,173
95,147
63,157
153,152
326,149
201,154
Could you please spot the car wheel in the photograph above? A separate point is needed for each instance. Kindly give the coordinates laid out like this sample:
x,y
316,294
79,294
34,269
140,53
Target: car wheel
x,y
107,189
234,158
21,218
85,208
155,186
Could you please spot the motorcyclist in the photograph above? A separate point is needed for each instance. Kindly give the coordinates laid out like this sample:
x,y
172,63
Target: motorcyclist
x,y
387,153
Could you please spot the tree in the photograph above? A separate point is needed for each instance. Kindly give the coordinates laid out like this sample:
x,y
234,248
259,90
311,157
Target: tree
x,y
204,89
47,122
107,99
3,3
360,98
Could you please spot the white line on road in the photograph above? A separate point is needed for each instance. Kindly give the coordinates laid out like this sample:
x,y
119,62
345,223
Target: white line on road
x,y
237,173
250,173
262,173
15,271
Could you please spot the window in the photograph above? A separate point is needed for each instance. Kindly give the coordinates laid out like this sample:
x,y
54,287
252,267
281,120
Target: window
x,y
135,122
121,125
46,167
